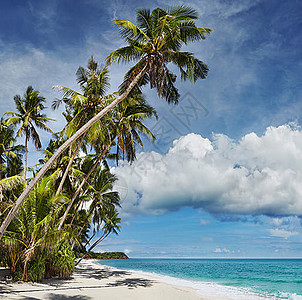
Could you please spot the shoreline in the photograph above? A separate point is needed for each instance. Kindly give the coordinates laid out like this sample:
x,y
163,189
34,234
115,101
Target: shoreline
x,y
92,280
207,290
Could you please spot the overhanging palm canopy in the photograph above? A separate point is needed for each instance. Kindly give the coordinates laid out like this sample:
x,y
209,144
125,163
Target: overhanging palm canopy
x,y
155,42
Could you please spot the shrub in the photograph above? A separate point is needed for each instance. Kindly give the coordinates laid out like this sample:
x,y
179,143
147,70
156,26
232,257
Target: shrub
x,y
63,260
36,269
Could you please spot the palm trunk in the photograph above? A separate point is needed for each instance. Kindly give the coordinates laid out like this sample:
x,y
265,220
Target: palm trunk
x,y
77,208
28,254
90,239
96,163
0,171
25,157
74,242
25,275
69,165
80,187
54,157
93,246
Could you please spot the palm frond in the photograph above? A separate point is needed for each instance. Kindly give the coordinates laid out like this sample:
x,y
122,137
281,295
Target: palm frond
x,y
125,54
128,30
12,182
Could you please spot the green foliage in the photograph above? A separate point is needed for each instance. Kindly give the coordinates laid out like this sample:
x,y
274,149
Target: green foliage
x,y
63,260
37,268
105,255
155,42
17,275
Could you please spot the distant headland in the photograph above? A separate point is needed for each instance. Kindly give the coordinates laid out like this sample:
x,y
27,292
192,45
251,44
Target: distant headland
x,y
107,255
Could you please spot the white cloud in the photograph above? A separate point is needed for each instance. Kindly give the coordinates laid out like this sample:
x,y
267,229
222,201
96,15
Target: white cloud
x,y
282,233
276,222
221,250
256,175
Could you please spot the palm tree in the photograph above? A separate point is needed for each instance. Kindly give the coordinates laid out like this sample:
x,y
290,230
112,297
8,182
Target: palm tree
x,y
101,197
8,188
60,166
8,149
94,82
111,225
126,126
34,226
155,44
29,114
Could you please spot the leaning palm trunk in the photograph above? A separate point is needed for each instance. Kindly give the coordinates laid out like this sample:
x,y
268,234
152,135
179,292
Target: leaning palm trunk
x,y
63,147
90,239
28,254
25,157
93,246
69,165
80,187
74,242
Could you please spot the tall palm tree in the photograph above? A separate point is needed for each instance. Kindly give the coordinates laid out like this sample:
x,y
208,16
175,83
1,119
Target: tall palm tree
x,y
101,198
111,225
29,114
155,42
128,126
125,125
60,166
8,149
93,81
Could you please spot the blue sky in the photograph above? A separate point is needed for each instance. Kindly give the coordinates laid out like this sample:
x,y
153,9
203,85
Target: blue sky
x,y
235,194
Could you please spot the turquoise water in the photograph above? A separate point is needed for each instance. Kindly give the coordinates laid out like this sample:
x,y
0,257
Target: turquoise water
x,y
275,278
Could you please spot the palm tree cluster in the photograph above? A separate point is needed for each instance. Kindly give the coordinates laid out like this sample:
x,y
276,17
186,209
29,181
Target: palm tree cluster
x,y
69,205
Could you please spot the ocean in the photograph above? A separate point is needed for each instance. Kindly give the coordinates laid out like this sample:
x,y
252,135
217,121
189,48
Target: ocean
x,y
232,278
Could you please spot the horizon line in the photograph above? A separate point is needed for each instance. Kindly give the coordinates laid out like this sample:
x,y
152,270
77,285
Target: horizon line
x,y
159,257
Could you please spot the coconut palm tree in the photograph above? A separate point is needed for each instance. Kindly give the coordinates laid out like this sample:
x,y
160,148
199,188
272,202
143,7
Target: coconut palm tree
x,y
8,149
102,198
60,166
34,226
93,81
125,125
128,126
29,114
155,42
111,225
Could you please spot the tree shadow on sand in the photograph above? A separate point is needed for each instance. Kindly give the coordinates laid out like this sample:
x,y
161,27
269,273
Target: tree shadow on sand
x,y
116,278
100,274
64,297
132,283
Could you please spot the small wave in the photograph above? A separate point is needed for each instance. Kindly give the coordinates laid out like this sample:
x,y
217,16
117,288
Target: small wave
x,y
291,296
209,288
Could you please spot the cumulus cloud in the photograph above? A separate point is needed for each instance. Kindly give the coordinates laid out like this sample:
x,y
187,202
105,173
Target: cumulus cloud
x,y
255,175
282,233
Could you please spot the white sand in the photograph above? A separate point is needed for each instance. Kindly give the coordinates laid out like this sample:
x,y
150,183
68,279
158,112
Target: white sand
x,y
94,281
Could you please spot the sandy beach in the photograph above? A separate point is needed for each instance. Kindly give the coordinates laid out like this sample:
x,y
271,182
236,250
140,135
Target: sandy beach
x,y
94,281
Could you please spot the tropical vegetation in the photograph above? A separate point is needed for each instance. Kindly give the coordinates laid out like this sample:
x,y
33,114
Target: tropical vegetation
x,y
69,205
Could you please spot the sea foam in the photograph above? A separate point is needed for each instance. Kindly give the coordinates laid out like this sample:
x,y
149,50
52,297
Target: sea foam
x,y
209,288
